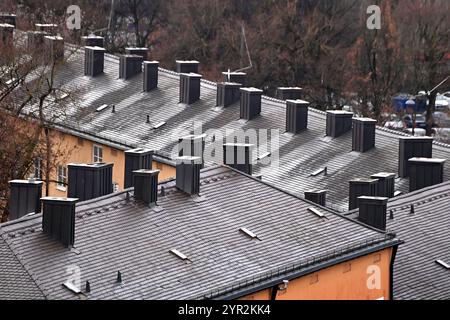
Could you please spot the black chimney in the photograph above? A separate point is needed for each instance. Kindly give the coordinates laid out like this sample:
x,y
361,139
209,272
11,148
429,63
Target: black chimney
x,y
296,115
136,159
187,66
93,41
145,184
425,172
363,134
413,147
35,39
189,87
289,93
89,181
24,198
361,187
317,196
58,219
338,123
235,77
130,65
6,34
8,18
150,75
239,156
227,94
192,146
372,211
386,184
250,103
188,174
143,52
94,61
55,46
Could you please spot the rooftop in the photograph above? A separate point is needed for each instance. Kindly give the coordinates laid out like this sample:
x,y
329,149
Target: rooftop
x,y
215,245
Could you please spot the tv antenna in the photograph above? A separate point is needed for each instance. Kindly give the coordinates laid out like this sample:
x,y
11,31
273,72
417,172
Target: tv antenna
x,y
244,47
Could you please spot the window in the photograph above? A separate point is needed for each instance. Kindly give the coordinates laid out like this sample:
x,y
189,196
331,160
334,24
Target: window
x,y
62,178
98,154
38,169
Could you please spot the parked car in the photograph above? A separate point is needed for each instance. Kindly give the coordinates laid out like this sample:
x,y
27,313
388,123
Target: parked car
x,y
442,119
421,121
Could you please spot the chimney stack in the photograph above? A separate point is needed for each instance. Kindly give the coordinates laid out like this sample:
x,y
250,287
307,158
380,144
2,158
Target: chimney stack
x,y
35,39
317,196
94,61
192,146
129,66
8,18
55,46
189,87
235,77
361,187
386,184
24,198
49,28
143,52
289,93
93,41
188,174
150,75
239,156
6,34
338,123
363,134
227,93
413,147
89,181
58,219
145,184
296,116
184,66
425,172
250,103
372,211
136,159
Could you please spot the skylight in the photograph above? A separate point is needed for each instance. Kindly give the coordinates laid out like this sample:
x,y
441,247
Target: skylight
x,y
443,264
102,107
179,254
69,285
248,233
319,171
159,125
316,212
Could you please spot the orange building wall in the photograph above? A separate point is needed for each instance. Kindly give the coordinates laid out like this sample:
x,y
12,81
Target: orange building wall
x,y
345,281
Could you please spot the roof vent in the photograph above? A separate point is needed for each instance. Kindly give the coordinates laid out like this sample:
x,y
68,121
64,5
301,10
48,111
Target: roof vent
x,y
361,187
179,254
93,41
239,156
24,198
443,264
94,61
425,172
296,115
386,184
248,233
235,77
58,219
146,185
184,66
317,196
316,212
188,174
129,66
8,18
143,52
338,123
189,87
55,46
363,134
227,93
413,147
136,159
250,103
89,181
289,93
372,211
150,75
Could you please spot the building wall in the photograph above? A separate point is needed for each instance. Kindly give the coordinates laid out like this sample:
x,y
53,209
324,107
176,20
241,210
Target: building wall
x,y
345,281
